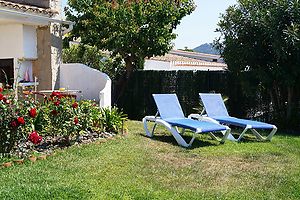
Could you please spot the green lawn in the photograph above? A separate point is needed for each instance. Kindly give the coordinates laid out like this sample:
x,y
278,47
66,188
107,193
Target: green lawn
x,y
136,167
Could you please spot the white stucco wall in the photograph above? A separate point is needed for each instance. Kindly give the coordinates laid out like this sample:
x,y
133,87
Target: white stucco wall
x,y
18,41
29,42
157,65
93,83
11,41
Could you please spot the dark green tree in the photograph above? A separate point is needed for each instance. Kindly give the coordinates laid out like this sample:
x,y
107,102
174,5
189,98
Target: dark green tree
x,y
262,38
133,29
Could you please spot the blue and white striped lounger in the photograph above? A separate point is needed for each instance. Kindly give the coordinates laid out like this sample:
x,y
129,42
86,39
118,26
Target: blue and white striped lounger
x,y
171,116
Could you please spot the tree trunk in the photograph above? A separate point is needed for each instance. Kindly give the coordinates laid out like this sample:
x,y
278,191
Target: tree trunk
x,y
290,103
123,80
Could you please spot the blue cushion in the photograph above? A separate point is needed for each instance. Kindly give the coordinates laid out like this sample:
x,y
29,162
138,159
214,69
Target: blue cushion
x,y
243,122
195,124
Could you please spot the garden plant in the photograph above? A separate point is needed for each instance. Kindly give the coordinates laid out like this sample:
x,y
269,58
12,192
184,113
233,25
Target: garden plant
x,y
58,117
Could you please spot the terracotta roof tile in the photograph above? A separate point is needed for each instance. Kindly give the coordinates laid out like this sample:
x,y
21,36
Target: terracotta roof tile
x,y
27,8
183,61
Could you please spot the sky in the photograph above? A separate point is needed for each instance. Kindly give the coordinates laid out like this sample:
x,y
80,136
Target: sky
x,y
199,27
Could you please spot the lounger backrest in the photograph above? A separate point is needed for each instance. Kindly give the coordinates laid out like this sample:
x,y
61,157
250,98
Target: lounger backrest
x,y
168,106
213,104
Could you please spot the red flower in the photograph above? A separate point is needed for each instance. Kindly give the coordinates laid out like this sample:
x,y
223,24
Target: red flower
x,y
1,89
75,105
1,96
32,112
14,123
21,120
35,138
76,120
55,94
54,112
56,103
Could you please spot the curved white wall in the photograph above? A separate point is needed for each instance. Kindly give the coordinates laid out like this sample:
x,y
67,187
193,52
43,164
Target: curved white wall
x,y
93,83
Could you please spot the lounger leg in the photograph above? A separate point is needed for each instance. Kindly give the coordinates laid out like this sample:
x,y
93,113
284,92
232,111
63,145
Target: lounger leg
x,y
153,129
146,128
175,133
192,140
242,134
226,135
258,136
269,138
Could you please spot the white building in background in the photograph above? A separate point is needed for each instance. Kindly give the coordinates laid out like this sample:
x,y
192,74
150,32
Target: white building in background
x,y
183,60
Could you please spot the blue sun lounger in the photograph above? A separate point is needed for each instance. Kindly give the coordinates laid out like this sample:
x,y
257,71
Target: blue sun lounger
x,y
172,118
215,109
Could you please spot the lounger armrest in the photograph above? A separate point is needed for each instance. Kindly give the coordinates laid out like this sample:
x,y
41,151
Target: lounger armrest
x,y
151,118
202,118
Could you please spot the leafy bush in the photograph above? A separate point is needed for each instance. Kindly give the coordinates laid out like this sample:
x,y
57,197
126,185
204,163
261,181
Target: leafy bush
x,y
112,119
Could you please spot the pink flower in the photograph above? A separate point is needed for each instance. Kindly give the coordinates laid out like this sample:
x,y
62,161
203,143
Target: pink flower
x,y
1,89
21,120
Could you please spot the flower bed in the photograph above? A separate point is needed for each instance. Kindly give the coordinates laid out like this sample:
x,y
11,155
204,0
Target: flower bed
x,y
58,121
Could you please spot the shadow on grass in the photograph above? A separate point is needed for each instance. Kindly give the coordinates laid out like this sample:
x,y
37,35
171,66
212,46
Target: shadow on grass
x,y
198,142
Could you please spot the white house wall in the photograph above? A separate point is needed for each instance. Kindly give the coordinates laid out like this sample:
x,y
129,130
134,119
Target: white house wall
x,y
11,41
30,42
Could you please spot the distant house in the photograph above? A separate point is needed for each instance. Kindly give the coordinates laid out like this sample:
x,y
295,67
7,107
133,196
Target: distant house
x,y
31,41
183,60
31,34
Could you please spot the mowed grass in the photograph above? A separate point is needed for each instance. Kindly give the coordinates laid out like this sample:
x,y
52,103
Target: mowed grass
x,y
137,167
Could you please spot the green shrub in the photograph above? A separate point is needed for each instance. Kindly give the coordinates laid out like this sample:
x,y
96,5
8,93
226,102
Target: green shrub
x,y
112,119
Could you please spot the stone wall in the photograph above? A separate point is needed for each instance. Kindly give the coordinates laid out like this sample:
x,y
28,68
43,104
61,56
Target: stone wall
x,y
42,66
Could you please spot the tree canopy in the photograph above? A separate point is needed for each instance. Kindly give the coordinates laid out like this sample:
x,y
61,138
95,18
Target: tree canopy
x,y
262,37
134,29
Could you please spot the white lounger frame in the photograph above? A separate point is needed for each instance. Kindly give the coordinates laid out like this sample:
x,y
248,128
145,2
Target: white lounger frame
x,y
176,133
248,127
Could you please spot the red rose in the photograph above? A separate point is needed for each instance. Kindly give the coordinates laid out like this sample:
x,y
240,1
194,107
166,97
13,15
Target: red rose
x,y
76,120
21,120
1,96
56,103
14,123
54,112
1,89
55,94
75,105
35,138
32,112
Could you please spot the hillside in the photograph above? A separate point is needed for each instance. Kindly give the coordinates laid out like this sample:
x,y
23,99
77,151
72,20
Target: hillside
x,y
206,48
